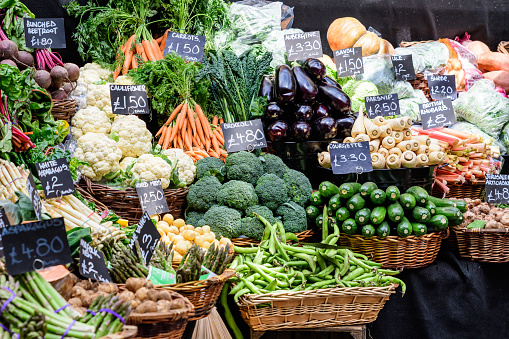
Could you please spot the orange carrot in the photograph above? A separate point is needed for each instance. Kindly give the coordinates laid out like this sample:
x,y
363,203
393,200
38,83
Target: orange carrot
x,y
163,41
199,129
155,49
167,138
221,121
128,43
158,40
161,130
117,72
179,141
219,137
201,152
134,64
189,138
141,52
190,115
215,144
148,50
127,61
213,154
204,121
174,114
180,119
215,120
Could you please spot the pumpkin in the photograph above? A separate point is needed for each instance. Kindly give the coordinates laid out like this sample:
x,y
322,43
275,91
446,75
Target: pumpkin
x,y
349,32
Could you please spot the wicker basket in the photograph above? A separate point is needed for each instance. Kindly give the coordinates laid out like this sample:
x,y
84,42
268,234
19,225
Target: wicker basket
x,y
167,325
316,308
412,43
503,47
128,332
64,109
126,203
397,252
248,242
202,294
462,191
482,245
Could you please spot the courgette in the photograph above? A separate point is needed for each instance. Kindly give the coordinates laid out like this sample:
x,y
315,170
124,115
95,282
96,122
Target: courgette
x,y
431,207
334,203
392,193
377,196
439,222
319,221
395,212
419,229
349,226
457,221
342,214
441,202
404,228
367,188
383,230
407,201
378,215
355,203
316,198
461,205
368,231
348,189
328,189
362,216
312,212
450,212
420,195
420,214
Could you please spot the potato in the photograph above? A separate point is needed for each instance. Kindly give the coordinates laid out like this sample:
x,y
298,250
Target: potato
x,y
90,298
177,304
177,238
174,230
199,240
79,292
181,246
142,294
199,230
189,235
206,229
152,295
505,219
126,296
163,306
168,218
135,303
209,237
166,239
206,245
108,288
75,302
177,256
179,223
146,307
164,295
134,284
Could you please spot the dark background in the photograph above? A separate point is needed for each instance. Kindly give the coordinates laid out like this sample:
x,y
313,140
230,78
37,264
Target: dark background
x,y
451,298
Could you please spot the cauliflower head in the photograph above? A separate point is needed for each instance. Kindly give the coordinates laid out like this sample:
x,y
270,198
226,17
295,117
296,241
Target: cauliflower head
x,y
124,80
126,162
149,167
100,152
90,119
185,164
134,139
99,96
93,72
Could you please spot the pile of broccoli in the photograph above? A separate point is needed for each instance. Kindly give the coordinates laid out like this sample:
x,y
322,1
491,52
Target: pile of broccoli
x,y
228,196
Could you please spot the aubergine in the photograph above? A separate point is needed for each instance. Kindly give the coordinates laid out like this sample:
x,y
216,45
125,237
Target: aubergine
x,y
321,111
315,68
301,130
277,131
274,111
325,128
304,113
267,89
344,126
327,80
306,88
285,84
335,98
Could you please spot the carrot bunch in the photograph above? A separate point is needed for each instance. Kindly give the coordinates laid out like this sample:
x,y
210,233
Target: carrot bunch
x,y
191,131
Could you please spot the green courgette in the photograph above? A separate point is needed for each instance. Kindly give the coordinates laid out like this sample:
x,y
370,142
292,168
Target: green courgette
x,y
392,193
362,216
461,205
319,221
377,216
334,203
348,189
377,196
404,228
439,222
419,229
316,198
456,221
420,195
450,212
342,214
421,214
407,201
442,202
349,226
368,231
395,212
431,207
312,212
328,189
355,203
367,188
383,230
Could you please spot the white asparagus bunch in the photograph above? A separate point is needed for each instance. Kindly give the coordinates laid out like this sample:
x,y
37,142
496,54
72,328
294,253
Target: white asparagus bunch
x,y
12,178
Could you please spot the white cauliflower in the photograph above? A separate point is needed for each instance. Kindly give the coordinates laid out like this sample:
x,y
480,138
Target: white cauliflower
x,y
93,72
124,80
89,119
99,96
126,162
134,137
100,152
149,167
185,164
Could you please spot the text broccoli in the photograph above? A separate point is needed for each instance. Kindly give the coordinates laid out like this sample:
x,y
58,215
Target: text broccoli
x,y
271,191
237,194
244,166
298,185
293,217
210,166
223,221
203,194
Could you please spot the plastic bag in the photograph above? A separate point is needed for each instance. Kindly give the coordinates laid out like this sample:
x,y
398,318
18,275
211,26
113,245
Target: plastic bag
x,y
484,107
254,22
504,136
273,44
428,57
287,15
486,138
464,67
410,106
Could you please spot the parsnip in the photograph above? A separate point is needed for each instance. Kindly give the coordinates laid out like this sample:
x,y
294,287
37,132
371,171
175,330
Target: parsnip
x,y
324,159
358,125
383,151
374,145
397,124
385,131
393,161
348,140
379,121
422,139
378,161
407,134
362,137
372,130
408,159
398,136
422,160
423,149
436,158
388,142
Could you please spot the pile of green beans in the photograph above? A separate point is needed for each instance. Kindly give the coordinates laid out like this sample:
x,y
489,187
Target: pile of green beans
x,y
276,265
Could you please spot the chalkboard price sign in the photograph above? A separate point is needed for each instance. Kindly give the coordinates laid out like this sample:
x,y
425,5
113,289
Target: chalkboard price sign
x,y
300,46
34,196
437,114
244,135
129,99
497,188
147,236
349,61
92,264
152,197
36,245
403,67
384,105
350,158
188,46
442,87
55,178
4,222
44,33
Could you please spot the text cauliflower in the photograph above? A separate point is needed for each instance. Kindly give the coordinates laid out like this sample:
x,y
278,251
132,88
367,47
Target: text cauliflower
x,y
134,139
100,152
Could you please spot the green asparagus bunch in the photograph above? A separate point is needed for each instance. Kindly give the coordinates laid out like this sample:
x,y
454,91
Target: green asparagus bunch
x,y
217,258
34,328
163,257
105,322
190,265
125,263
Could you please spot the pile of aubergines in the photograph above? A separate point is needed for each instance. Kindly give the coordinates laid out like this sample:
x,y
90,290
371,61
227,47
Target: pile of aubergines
x,y
305,104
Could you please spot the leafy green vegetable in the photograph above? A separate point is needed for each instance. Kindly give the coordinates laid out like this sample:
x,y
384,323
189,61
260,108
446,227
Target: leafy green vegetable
x,y
75,235
12,21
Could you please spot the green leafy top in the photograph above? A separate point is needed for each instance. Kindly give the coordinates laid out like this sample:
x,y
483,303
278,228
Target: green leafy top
x,y
12,21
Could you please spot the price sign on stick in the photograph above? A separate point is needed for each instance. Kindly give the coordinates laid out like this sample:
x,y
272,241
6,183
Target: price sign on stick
x,y
437,114
442,87
403,67
92,264
44,33
188,46
34,196
55,178
36,245
349,61
4,222
129,99
147,236
350,158
244,135
152,197
497,188
384,105
300,46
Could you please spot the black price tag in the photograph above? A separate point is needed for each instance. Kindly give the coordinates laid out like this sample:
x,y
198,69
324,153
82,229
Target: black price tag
x,y
442,87
437,114
44,33
384,105
244,135
147,236
403,67
4,222
350,158
34,196
300,46
187,46
56,179
349,61
152,197
36,245
497,188
92,264
129,99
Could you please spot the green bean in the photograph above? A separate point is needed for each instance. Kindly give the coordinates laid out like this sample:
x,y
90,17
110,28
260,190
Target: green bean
x,y
387,272
365,276
297,263
261,283
359,255
242,267
395,281
272,285
314,278
282,251
282,232
325,225
245,250
258,269
354,274
291,237
237,288
326,271
239,294
296,249
307,258
228,314
251,286
331,259
317,285
235,262
337,277
346,265
320,260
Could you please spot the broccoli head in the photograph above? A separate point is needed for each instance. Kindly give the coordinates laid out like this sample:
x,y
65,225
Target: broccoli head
x,y
271,191
293,216
261,210
210,166
273,164
298,185
203,194
237,194
193,217
223,221
252,227
244,166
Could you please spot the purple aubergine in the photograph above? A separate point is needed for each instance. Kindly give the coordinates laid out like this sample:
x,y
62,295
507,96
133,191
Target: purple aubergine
x,y
285,84
315,68
306,88
301,130
267,89
344,126
327,80
274,111
278,130
321,111
325,128
304,113
335,98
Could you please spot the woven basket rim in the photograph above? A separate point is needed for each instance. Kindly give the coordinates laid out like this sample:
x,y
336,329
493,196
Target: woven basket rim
x,y
398,239
503,47
128,331
411,43
89,183
199,284
481,231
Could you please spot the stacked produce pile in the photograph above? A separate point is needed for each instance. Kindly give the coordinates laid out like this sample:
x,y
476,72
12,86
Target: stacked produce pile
x,y
215,259
485,216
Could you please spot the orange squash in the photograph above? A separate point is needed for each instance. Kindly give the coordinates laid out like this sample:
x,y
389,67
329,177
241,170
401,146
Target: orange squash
x,y
349,32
